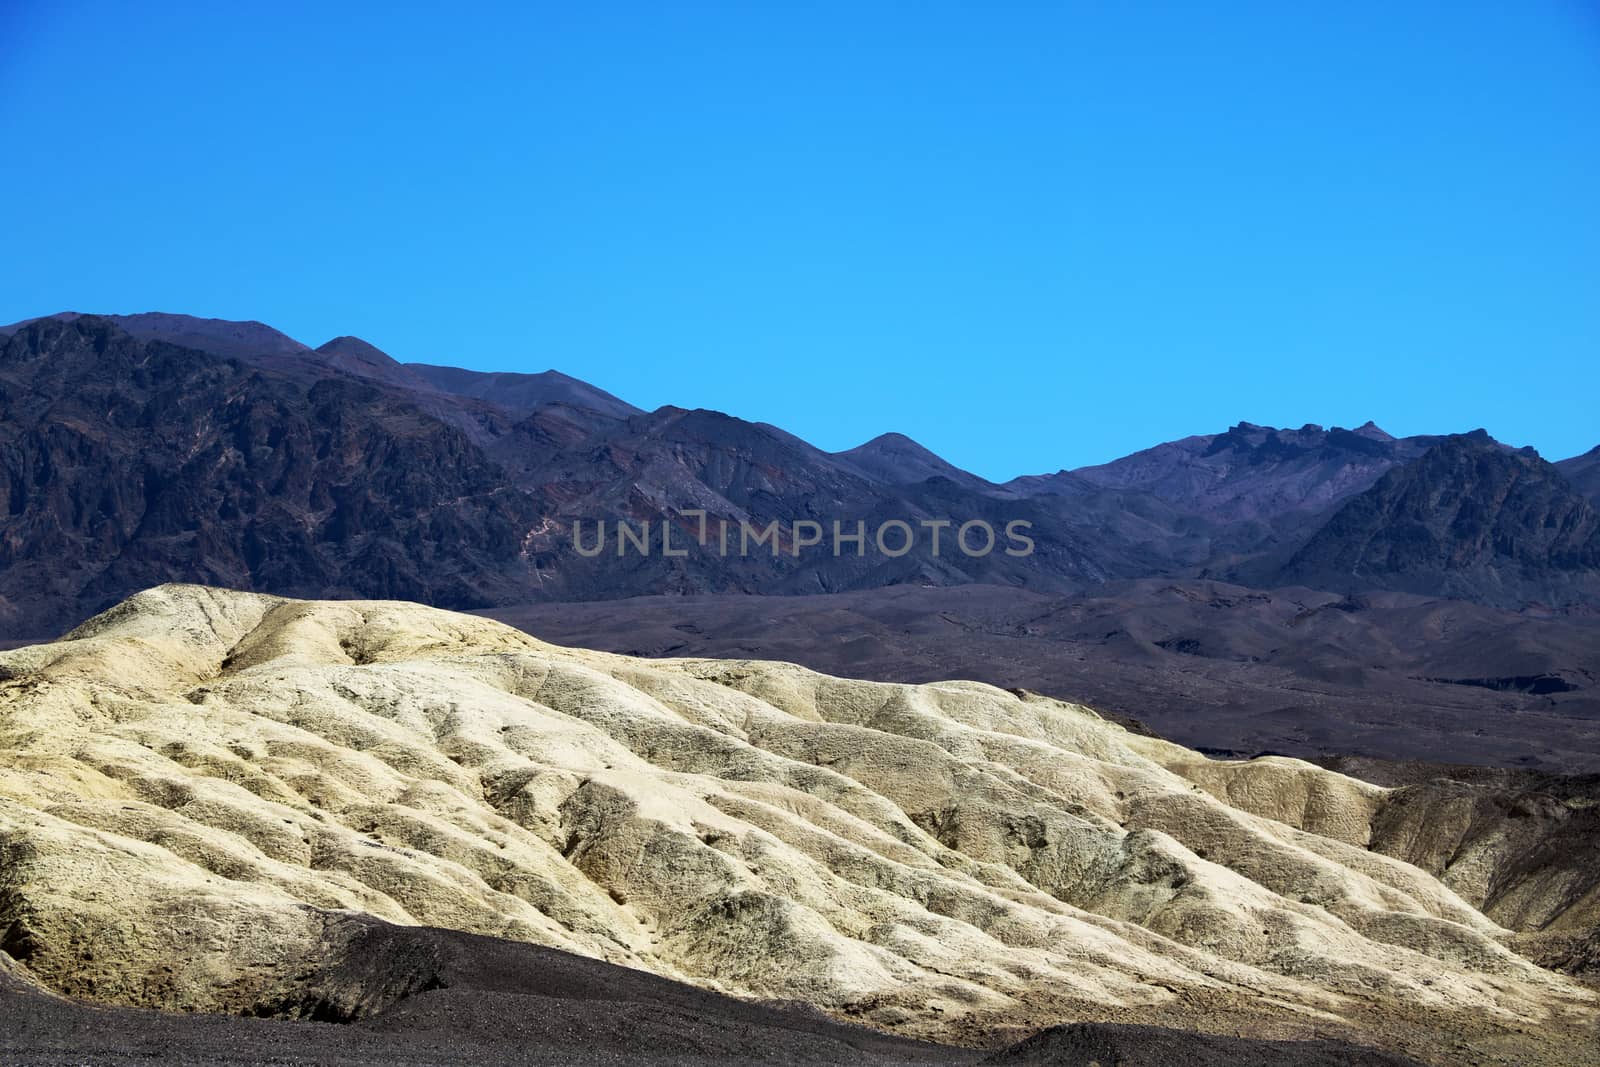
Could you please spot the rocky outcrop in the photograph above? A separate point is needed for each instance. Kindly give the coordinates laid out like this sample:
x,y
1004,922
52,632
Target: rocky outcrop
x,y
1469,519
125,463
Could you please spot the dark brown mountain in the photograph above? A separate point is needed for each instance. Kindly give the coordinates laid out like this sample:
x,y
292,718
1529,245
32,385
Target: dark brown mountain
x,y
337,471
1208,503
1247,473
262,346
126,463
250,341
1470,519
656,467
538,454
353,356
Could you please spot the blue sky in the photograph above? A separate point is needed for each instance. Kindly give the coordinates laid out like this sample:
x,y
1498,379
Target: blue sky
x,y
1031,236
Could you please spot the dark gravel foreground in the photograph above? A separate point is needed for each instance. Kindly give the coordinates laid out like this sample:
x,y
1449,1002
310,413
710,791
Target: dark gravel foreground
x,y
404,996
1114,1045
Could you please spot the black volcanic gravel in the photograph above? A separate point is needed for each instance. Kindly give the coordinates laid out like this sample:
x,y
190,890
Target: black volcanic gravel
x,y
487,1001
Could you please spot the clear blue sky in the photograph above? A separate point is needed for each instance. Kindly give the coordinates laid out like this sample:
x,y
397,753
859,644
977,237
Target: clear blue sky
x,y
1031,236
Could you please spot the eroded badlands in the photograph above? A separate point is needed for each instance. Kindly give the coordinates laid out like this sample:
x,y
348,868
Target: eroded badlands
x,y
194,784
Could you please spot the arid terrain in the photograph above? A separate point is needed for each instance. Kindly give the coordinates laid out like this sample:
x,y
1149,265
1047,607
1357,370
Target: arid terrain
x,y
817,535
1219,667
1338,782
223,802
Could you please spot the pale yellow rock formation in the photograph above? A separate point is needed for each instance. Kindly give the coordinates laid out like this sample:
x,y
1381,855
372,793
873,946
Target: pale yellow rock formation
x,y
191,780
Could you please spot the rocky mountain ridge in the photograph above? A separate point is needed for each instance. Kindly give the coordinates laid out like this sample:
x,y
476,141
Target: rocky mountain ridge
x,y
547,453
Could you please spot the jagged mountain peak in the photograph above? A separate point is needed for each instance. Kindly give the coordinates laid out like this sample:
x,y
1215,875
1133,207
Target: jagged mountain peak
x,y
1248,471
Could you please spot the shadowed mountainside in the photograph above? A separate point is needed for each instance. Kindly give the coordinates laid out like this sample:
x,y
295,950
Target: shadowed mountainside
x,y
294,470
1249,472
673,461
1469,519
555,453
126,463
896,459
1213,500
1516,844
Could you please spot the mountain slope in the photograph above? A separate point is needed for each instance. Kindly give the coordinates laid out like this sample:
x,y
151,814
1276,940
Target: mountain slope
x,y
657,467
212,436
1211,503
126,462
1469,519
898,460
1518,845
557,456
353,356
1584,473
935,860
523,393
1249,472
1215,666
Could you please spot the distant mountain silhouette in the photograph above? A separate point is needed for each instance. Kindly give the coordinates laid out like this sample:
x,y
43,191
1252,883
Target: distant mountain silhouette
x,y
143,448
252,341
268,465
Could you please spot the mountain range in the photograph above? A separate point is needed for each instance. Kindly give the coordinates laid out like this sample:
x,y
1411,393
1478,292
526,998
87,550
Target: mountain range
x,y
142,448
469,844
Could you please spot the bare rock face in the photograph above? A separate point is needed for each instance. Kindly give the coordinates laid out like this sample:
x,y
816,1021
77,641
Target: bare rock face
x,y
1250,472
1470,519
140,449
127,463
194,782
